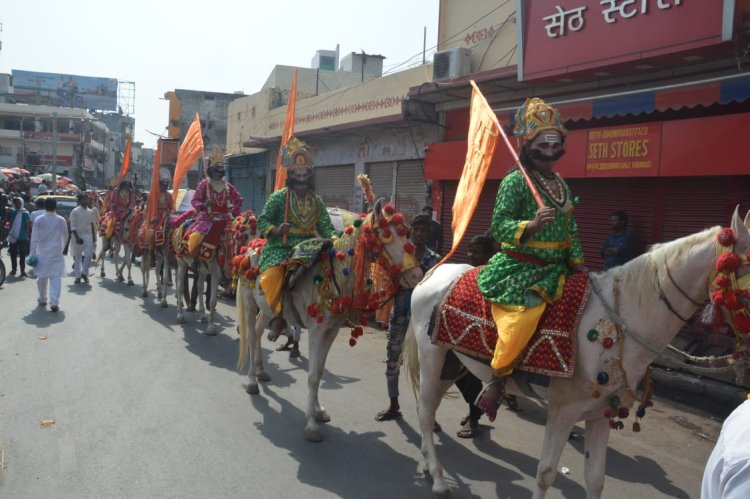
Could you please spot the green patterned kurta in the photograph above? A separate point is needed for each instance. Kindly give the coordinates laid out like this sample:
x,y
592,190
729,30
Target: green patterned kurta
x,y
509,281
307,221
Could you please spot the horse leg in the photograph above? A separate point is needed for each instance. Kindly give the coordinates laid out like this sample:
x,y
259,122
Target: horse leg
x,y
559,424
102,255
129,262
181,278
145,266
213,329
320,344
116,261
261,322
431,389
202,272
164,261
597,435
253,323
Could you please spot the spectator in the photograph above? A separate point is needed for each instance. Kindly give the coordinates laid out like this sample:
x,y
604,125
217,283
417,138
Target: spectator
x,y
619,247
82,229
48,238
727,473
435,239
18,236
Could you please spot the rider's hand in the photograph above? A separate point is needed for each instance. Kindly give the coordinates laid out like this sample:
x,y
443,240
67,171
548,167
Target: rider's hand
x,y
543,216
282,229
579,268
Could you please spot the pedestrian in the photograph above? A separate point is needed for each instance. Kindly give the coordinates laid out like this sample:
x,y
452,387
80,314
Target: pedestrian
x,y
540,244
435,240
48,237
84,232
18,236
420,231
619,246
727,473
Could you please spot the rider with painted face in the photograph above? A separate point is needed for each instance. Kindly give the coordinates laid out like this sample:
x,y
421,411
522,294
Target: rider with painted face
x,y
539,246
152,231
291,215
119,203
215,200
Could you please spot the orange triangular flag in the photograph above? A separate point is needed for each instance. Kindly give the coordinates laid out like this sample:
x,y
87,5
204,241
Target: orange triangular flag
x,y
153,196
125,161
287,134
484,132
190,150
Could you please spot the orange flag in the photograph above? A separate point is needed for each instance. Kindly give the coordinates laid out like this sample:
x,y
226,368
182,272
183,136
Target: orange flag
x,y
287,134
153,196
125,162
484,132
190,150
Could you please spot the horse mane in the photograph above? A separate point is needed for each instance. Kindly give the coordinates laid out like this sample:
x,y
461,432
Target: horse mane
x,y
641,271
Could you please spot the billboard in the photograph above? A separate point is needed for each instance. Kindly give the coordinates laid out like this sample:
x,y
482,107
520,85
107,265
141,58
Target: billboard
x,y
87,92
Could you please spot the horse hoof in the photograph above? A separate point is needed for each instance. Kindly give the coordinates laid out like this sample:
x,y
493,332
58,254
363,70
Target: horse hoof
x,y
144,294
180,319
313,435
158,296
163,304
130,282
204,320
441,490
252,389
263,376
120,278
322,416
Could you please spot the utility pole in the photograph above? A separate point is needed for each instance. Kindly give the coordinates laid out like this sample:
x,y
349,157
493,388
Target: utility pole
x,y
54,152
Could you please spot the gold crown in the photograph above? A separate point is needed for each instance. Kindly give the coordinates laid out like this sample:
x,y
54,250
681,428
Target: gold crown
x,y
536,116
296,154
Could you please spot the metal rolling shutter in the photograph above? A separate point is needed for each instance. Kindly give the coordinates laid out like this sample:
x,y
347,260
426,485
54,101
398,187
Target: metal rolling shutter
x,y
598,198
411,191
480,222
381,177
335,184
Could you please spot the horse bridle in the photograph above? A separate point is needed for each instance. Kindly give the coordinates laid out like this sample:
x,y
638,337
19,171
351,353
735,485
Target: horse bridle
x,y
663,296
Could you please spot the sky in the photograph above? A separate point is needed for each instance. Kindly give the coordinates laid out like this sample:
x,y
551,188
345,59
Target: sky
x,y
215,45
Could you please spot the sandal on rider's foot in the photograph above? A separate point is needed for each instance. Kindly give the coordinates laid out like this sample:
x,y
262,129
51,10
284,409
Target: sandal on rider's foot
x,y
285,347
294,352
512,402
436,428
470,429
491,398
387,415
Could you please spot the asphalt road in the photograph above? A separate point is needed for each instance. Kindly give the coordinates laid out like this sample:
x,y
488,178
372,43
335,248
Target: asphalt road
x,y
143,407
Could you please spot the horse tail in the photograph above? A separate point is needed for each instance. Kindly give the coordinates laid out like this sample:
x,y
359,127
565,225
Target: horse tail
x,y
242,324
410,357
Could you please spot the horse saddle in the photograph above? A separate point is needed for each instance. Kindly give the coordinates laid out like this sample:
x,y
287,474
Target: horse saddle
x,y
210,241
463,322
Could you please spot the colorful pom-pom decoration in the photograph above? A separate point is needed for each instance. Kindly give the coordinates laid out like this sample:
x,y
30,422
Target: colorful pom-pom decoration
x,y
726,237
728,262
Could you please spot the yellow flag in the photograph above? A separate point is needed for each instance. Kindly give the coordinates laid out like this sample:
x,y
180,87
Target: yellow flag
x,y
287,134
190,150
484,132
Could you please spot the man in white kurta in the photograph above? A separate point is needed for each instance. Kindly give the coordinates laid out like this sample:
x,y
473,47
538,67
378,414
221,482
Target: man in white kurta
x,y
84,238
48,237
727,473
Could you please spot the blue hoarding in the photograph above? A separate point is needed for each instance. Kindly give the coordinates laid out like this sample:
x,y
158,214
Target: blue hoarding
x,y
87,92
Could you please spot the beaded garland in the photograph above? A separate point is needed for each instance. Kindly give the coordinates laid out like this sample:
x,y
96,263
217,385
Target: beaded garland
x,y
611,374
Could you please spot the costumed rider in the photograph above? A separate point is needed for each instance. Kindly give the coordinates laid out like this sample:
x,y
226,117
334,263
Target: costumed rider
x,y
307,219
164,208
540,246
215,200
121,201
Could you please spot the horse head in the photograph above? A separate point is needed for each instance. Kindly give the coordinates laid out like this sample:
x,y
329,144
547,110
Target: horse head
x,y
387,226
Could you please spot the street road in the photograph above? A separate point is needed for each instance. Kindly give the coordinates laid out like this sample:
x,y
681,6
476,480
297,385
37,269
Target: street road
x,y
144,407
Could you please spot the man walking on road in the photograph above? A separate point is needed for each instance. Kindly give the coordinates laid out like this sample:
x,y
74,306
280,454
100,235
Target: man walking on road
x,y
48,237
82,228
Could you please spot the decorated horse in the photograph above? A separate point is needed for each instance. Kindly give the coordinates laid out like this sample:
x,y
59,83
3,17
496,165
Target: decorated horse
x,y
329,290
156,246
124,236
621,321
214,258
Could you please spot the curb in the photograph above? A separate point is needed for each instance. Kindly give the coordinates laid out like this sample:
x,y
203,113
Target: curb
x,y
673,384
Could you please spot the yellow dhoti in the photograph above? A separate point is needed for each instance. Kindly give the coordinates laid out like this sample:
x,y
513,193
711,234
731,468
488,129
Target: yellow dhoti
x,y
272,284
514,330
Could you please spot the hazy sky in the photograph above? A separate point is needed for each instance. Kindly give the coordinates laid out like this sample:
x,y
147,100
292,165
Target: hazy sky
x,y
214,45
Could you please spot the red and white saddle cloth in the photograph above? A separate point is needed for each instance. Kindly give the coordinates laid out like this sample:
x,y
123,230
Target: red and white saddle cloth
x,y
209,244
463,322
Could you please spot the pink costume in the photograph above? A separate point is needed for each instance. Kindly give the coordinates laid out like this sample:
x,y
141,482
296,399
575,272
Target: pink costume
x,y
212,205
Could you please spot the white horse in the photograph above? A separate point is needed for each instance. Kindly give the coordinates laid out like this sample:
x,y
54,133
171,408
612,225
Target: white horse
x,y
241,231
163,257
322,329
125,240
650,297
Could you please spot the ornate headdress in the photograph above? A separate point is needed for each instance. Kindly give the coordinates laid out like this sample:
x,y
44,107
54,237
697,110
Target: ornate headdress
x,y
216,160
534,117
296,154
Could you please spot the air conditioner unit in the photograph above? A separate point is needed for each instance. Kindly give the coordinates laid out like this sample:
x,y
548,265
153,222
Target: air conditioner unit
x,y
451,63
